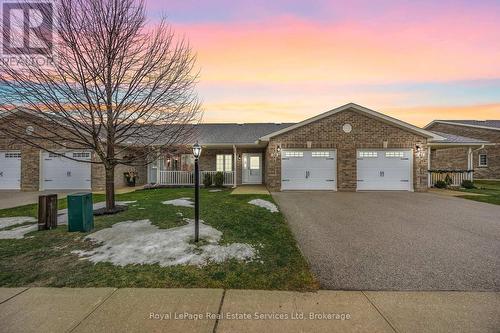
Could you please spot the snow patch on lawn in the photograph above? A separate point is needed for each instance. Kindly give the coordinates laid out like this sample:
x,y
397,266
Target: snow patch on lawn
x,y
140,242
6,222
265,204
18,233
216,190
181,202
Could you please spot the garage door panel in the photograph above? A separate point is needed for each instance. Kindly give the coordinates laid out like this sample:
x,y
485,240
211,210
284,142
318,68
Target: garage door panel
x,y
62,173
384,170
10,170
308,170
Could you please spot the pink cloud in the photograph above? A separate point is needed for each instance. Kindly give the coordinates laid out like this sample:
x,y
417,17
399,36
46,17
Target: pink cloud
x,y
288,49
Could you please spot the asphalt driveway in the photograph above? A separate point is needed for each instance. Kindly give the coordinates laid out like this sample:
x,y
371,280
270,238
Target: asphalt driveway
x,y
396,240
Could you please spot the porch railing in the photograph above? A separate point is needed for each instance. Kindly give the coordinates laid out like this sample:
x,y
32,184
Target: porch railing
x,y
186,178
456,176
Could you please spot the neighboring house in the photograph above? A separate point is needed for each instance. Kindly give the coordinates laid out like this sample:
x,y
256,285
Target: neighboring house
x,y
485,161
350,148
23,167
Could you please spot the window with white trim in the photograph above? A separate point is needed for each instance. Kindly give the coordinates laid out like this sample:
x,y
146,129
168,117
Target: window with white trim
x,y
483,160
81,155
365,154
394,154
321,154
12,155
294,154
224,162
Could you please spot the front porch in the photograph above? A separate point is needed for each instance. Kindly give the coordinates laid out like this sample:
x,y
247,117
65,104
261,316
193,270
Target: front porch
x,y
238,165
451,164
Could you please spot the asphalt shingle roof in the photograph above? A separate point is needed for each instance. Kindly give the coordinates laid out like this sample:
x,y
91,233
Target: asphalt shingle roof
x,y
484,123
451,138
235,133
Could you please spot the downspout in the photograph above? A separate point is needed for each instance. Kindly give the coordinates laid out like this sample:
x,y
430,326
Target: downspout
x,y
471,158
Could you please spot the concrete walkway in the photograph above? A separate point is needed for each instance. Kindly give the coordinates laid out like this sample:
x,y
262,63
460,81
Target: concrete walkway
x,y
250,189
10,199
217,310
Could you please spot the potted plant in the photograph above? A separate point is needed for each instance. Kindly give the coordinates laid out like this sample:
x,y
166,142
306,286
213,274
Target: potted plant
x,y
130,178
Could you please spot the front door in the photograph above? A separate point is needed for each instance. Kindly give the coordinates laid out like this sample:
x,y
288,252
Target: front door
x,y
252,169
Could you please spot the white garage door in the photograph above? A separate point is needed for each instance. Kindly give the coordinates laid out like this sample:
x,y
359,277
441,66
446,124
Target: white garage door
x,y
386,170
308,170
10,170
60,173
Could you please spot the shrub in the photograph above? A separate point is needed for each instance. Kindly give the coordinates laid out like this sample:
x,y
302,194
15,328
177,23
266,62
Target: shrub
x,y
219,179
468,184
440,184
207,180
448,180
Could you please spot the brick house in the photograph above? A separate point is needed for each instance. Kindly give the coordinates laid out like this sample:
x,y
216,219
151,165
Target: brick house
x,y
485,160
349,148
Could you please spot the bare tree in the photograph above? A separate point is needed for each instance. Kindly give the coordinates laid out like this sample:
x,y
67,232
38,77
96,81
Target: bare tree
x,y
116,85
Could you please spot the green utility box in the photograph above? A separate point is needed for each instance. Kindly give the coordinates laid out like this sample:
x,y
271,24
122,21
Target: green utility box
x,y
80,212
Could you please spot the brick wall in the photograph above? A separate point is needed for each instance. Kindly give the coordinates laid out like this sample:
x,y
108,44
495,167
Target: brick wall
x,y
367,132
454,159
99,175
449,158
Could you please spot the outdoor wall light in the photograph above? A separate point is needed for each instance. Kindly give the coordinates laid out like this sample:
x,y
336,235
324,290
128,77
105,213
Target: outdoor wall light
x,y
419,151
278,149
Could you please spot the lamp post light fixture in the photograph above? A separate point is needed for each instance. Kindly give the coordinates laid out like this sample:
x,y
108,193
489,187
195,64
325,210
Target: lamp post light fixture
x,y
196,154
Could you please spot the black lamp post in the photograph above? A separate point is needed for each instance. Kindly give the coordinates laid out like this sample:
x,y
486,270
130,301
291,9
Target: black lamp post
x,y
196,153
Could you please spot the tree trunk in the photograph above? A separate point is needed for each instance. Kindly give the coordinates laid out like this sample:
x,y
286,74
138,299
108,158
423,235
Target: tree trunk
x,y
110,188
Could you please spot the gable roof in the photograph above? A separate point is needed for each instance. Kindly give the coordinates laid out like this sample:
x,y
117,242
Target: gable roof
x,y
362,109
485,124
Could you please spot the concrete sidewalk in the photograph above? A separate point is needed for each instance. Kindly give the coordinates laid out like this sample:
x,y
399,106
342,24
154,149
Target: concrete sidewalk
x,y
217,310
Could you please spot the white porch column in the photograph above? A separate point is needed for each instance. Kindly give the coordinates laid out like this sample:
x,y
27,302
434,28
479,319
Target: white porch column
x,y
158,174
235,159
470,163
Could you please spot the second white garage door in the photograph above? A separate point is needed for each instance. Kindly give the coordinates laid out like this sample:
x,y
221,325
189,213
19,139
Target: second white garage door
x,y
60,173
384,170
10,170
308,170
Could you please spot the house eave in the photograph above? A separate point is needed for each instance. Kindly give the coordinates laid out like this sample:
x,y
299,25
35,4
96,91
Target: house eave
x,y
461,124
459,144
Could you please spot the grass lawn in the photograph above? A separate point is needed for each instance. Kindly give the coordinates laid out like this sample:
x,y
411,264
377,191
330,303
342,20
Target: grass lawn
x,y
45,259
490,189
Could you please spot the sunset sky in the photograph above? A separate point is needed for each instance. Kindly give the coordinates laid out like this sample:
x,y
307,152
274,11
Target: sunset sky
x,y
281,61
